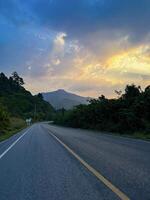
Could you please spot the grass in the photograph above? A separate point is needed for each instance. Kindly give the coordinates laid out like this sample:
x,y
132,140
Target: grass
x,y
142,135
16,125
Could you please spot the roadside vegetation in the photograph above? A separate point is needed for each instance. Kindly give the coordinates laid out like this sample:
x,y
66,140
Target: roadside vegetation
x,y
129,114
18,104
4,119
13,126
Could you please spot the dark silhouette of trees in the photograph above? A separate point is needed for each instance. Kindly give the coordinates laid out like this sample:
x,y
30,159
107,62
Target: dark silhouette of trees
x,y
17,79
20,102
129,113
40,96
131,91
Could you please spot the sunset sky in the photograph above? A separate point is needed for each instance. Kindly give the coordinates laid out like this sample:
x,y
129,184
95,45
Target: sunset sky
x,y
89,47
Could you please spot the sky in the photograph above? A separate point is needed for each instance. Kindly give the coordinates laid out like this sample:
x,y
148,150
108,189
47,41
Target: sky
x,y
89,47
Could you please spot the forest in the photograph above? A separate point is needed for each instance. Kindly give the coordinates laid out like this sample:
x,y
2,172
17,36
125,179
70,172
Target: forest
x,y
128,114
17,104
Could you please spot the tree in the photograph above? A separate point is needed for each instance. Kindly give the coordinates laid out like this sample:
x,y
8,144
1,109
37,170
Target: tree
x,y
131,91
129,113
15,77
21,103
4,84
118,92
40,96
2,76
147,89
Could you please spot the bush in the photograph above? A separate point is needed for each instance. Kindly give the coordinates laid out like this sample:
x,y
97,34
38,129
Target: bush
x,y
4,119
128,113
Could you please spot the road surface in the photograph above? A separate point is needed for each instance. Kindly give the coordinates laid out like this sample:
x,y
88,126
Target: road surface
x,y
34,165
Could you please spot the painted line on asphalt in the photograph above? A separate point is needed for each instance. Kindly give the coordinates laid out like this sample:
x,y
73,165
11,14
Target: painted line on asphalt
x,y
13,144
98,175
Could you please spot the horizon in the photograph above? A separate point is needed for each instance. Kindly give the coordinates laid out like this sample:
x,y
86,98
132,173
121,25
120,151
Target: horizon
x,y
89,48
114,96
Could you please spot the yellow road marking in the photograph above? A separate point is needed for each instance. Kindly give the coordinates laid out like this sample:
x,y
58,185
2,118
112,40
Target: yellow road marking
x,y
117,191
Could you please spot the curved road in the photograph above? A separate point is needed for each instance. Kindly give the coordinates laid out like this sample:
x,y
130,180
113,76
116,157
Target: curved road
x,y
34,165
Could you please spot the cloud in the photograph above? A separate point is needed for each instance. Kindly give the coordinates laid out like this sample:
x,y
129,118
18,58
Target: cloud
x,y
88,46
60,39
82,17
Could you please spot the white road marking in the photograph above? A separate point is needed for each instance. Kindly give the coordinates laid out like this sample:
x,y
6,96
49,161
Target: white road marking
x,y
13,144
113,188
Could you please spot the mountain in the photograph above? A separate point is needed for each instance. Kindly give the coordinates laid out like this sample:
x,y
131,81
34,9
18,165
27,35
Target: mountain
x,y
62,99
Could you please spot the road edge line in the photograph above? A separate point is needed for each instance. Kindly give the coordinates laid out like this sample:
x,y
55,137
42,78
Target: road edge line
x,y
13,144
99,176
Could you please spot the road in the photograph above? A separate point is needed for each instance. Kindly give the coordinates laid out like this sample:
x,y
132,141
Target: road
x,y
34,165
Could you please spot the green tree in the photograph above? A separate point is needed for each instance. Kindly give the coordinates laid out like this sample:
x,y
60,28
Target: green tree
x,y
17,79
129,113
131,91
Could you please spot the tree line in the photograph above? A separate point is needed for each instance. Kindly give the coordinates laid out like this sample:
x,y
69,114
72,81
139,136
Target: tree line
x,y
16,101
127,114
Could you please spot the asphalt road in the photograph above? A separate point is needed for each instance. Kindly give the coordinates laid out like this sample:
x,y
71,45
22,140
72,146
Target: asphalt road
x,y
35,166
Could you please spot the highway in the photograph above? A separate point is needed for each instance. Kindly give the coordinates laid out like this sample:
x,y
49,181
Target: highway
x,y
47,162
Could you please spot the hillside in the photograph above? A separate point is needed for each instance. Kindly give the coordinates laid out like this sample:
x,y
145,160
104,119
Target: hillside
x,y
21,103
62,99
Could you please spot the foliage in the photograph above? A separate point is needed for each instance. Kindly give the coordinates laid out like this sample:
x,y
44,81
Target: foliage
x,y
4,119
15,125
21,103
17,79
129,113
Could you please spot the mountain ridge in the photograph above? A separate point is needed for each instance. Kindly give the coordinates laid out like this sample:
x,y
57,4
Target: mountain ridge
x,y
64,99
